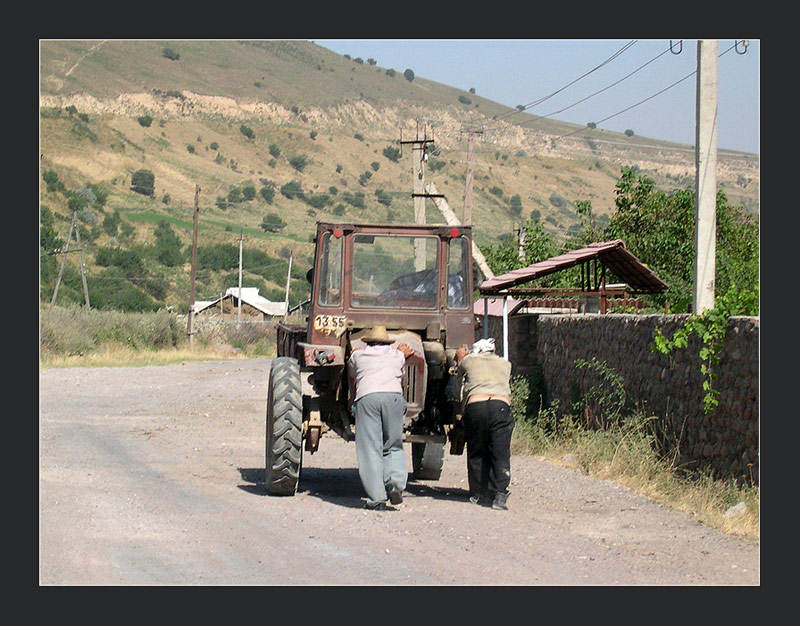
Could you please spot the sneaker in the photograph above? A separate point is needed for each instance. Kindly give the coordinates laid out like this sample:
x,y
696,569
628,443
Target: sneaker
x,y
475,499
500,502
395,495
375,506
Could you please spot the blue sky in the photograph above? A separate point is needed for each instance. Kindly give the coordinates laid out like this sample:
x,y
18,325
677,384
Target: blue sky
x,y
614,83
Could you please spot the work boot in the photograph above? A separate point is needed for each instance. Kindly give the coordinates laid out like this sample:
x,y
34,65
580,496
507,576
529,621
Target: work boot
x,y
395,495
500,501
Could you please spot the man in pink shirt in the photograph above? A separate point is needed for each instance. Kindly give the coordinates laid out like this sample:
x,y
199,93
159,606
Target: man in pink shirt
x,y
379,408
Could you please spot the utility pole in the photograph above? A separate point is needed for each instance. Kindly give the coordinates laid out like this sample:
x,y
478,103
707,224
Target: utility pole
x,y
418,157
288,279
706,177
470,173
73,227
190,321
239,319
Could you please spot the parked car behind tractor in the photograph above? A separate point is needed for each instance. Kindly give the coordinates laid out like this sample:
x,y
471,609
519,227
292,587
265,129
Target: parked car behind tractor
x,y
417,281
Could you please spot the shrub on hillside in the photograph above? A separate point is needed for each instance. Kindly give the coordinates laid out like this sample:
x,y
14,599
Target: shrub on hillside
x,y
143,182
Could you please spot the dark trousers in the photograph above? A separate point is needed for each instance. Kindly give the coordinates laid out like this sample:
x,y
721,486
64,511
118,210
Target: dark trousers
x,y
487,428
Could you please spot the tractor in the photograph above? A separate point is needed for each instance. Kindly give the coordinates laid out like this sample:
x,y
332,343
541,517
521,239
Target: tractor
x,y
414,279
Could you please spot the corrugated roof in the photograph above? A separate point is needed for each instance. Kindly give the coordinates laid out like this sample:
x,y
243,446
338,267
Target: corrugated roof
x,y
625,266
496,306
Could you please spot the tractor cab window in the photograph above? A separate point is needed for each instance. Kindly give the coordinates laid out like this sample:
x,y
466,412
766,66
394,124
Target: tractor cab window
x,y
330,266
394,271
457,273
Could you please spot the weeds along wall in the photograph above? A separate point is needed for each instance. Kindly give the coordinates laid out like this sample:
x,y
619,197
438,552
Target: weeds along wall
x,y
667,387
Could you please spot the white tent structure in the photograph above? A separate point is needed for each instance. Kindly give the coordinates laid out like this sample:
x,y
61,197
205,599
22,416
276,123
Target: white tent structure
x,y
249,298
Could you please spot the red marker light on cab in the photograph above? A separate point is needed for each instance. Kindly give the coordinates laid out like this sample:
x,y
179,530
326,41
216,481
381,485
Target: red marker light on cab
x,y
337,232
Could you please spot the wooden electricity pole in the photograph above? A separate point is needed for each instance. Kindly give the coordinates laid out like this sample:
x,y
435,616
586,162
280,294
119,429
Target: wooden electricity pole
x,y
239,318
73,227
190,321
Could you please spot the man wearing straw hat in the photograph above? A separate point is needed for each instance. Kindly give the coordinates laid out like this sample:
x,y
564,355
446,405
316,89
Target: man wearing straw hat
x,y
379,408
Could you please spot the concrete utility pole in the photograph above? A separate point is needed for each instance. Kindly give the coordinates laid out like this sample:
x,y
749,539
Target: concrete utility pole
x,y
190,320
706,175
418,157
470,174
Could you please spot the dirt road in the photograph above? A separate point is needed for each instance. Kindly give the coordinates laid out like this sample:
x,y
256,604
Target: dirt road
x,y
154,476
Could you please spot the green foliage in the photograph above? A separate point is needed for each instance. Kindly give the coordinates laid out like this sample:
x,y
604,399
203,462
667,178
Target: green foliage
x,y
111,224
168,245
268,193
710,327
52,182
355,200
392,153
557,201
602,402
293,190
539,245
274,150
74,330
170,54
143,182
515,205
409,74
383,197
659,229
144,120
247,131
318,200
49,241
299,162
464,100
272,223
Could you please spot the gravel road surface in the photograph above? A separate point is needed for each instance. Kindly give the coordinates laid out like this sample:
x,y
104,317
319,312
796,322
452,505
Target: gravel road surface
x,y
154,476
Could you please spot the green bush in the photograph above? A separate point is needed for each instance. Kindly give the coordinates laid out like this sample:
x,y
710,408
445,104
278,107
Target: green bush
x,y
272,223
143,182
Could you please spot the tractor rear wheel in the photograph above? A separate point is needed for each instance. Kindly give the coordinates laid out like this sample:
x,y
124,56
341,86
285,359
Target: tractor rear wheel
x,y
284,450
427,460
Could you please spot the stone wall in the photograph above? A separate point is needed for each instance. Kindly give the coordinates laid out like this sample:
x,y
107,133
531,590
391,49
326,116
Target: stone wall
x,y
668,387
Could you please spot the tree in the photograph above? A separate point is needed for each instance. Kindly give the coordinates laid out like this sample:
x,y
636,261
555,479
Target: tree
x,y
299,162
658,228
247,131
272,223
143,182
409,74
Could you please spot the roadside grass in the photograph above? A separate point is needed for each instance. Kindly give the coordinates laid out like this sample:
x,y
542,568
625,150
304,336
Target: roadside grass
x,y
625,451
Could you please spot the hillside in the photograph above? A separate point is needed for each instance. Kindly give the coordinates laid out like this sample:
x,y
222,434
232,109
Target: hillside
x,y
227,116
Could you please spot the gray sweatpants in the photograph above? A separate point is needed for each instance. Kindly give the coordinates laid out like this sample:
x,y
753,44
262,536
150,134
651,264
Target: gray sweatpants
x,y
379,444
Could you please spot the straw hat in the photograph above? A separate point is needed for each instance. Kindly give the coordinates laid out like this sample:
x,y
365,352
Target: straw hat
x,y
378,334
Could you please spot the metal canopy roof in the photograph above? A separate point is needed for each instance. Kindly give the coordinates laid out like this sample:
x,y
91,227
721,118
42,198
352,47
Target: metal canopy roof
x,y
612,254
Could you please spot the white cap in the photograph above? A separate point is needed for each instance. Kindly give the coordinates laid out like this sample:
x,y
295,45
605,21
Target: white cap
x,y
483,345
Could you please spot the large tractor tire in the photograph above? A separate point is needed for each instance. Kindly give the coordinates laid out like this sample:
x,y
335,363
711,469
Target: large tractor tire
x,y
427,460
284,427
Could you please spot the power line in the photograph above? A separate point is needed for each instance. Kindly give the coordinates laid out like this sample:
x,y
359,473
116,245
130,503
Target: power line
x,y
658,93
521,108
